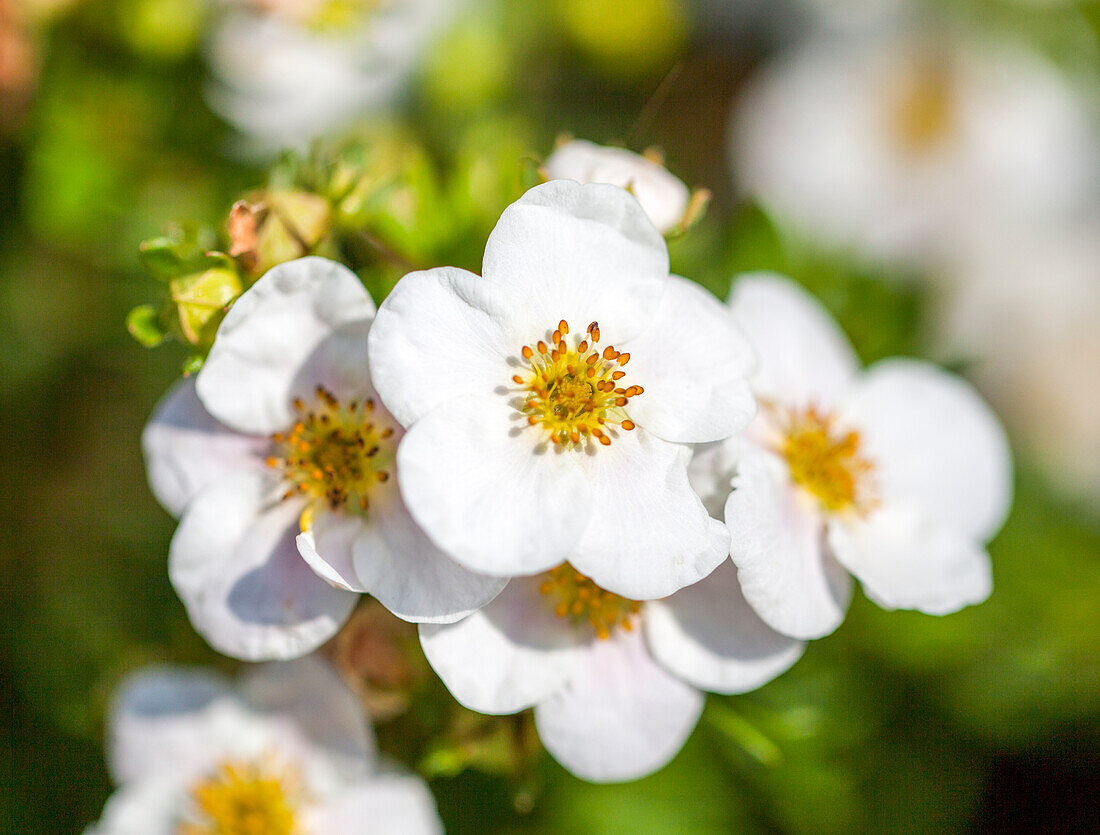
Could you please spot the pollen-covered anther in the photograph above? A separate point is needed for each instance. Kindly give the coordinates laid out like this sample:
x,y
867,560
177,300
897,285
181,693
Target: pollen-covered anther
x,y
578,599
335,452
827,461
245,798
571,391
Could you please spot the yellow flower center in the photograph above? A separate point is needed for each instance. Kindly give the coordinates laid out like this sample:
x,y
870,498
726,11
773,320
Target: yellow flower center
x,y
244,798
580,600
335,452
923,115
574,391
827,463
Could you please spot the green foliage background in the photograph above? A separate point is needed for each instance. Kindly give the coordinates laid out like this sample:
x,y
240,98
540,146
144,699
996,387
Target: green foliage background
x,y
898,722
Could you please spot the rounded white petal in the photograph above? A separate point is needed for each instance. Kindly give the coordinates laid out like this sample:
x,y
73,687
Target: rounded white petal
x,y
234,563
153,719
711,471
333,535
694,364
310,693
582,253
805,358
252,374
777,544
485,490
648,534
663,197
384,803
620,716
510,655
145,807
187,449
934,443
905,559
397,563
709,636
438,335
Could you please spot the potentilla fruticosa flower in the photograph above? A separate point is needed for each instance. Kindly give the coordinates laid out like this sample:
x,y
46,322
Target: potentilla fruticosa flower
x,y
280,460
288,71
899,473
550,405
285,753
615,683
665,199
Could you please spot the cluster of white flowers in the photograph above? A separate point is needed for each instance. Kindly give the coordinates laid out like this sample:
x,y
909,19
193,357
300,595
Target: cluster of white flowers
x,y
522,462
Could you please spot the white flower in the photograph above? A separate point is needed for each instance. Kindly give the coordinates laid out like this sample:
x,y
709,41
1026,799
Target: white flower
x,y
286,754
663,197
282,432
612,681
530,440
897,142
286,72
899,474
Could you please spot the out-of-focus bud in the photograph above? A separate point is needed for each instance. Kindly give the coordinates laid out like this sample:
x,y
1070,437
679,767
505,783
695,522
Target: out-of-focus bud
x,y
665,199
504,745
201,285
271,227
630,40
379,654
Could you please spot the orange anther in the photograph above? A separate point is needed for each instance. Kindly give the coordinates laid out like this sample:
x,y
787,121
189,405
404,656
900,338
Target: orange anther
x,y
563,326
610,353
527,352
617,375
517,379
542,347
627,425
624,359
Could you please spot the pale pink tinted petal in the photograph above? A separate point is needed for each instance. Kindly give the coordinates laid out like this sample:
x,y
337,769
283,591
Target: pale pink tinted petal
x,y
237,569
777,543
621,716
693,364
709,636
510,655
187,449
905,559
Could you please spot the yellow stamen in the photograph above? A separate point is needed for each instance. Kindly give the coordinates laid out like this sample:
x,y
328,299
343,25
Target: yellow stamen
x,y
580,600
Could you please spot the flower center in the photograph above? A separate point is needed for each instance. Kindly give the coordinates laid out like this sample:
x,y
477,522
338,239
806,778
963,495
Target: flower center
x,y
335,452
827,463
574,391
581,601
322,16
923,115
244,798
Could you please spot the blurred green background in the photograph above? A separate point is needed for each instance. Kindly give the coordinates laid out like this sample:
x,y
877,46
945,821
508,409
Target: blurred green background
x,y
985,720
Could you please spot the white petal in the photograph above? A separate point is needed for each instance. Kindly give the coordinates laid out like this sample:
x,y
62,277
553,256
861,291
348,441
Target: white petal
x,y
648,533
248,381
582,253
310,693
153,718
694,364
805,358
510,655
485,491
145,807
711,471
709,636
785,573
934,443
397,563
333,535
621,716
247,590
385,803
439,335
664,198
187,449
907,560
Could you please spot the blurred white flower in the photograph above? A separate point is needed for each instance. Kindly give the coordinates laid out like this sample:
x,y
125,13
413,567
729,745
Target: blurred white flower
x,y
899,474
282,438
530,440
287,754
1022,310
612,681
663,197
287,71
897,141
